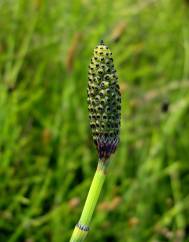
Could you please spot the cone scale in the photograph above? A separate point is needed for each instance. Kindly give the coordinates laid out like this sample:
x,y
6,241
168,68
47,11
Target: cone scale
x,y
104,105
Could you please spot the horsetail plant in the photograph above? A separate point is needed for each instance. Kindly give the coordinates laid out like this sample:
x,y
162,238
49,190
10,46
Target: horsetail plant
x,y
104,105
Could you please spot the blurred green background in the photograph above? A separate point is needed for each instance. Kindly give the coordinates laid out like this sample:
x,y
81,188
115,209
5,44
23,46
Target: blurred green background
x,y
47,158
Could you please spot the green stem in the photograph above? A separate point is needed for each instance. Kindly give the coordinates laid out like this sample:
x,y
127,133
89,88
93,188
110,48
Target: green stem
x,y
81,229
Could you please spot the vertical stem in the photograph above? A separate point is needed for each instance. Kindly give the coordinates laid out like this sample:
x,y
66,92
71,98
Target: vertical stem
x,y
82,227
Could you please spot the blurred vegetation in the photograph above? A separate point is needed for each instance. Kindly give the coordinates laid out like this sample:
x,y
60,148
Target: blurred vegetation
x,y
47,158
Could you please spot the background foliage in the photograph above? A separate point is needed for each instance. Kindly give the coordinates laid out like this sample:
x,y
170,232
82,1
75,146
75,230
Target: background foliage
x,y
47,158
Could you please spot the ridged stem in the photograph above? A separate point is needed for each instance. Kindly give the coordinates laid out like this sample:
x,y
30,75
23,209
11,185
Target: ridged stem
x,y
82,228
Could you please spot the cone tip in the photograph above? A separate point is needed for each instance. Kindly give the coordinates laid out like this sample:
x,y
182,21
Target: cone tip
x,y
101,42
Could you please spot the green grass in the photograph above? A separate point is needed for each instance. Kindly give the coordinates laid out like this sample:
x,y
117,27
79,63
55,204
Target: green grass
x,y
47,158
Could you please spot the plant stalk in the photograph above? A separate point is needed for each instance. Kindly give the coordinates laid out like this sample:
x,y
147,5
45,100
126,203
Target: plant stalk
x,y
82,227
